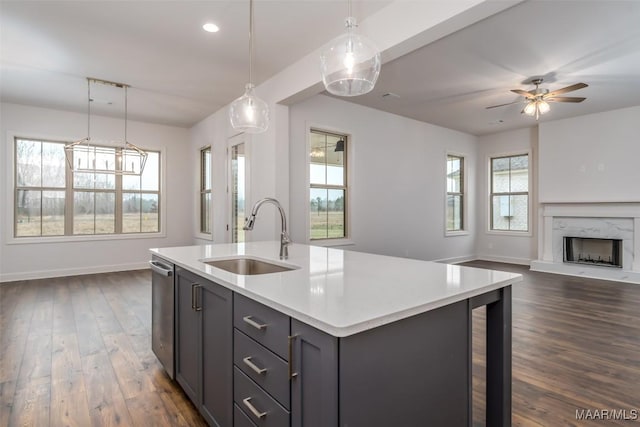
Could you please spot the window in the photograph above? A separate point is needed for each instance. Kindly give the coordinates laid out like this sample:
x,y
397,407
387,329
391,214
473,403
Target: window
x,y
205,190
455,193
50,200
510,193
328,185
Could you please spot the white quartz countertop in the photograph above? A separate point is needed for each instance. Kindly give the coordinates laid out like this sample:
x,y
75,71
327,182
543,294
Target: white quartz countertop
x,y
338,291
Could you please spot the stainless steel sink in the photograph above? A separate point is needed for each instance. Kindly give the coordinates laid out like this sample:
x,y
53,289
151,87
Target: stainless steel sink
x,y
248,266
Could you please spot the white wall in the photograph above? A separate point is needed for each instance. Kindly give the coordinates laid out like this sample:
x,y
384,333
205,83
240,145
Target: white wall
x,y
35,260
397,186
210,132
397,29
591,158
499,246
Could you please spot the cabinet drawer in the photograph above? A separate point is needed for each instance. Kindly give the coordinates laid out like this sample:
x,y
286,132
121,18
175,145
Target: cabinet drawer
x,y
261,408
261,365
265,325
240,419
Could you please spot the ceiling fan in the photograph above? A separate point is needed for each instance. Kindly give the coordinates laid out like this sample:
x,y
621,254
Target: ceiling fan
x,y
537,100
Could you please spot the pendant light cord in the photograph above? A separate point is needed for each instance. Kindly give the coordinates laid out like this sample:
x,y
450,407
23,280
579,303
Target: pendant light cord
x,y
88,109
125,115
350,12
250,41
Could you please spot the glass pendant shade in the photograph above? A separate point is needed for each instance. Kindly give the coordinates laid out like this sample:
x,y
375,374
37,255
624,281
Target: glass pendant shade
x,y
530,108
536,107
350,63
249,113
543,107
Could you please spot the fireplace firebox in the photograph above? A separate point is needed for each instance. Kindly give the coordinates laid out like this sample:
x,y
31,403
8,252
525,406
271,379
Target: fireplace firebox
x,y
592,251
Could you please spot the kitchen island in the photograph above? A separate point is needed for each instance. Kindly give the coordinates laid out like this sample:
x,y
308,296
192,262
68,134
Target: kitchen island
x,y
343,338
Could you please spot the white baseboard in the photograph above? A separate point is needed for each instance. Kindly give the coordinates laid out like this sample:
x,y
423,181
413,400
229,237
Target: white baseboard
x,y
493,258
456,260
505,259
46,274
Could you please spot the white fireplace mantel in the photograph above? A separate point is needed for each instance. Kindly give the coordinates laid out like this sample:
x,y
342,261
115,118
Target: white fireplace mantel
x,y
606,220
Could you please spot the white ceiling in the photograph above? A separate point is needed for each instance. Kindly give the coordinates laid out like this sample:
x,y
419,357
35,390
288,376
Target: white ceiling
x,y
451,81
180,74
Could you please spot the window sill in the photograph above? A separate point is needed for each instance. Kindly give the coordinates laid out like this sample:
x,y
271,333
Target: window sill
x,y
456,233
204,236
510,233
83,238
332,242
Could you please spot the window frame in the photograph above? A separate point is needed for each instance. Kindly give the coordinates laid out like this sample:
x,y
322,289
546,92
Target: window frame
x,y
12,188
464,230
204,190
491,194
346,187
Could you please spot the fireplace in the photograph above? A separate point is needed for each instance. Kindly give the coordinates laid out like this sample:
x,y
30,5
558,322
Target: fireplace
x,y
593,251
619,221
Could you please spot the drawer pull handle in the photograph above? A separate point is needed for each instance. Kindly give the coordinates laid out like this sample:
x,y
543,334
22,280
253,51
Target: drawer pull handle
x,y
250,321
247,361
258,414
292,374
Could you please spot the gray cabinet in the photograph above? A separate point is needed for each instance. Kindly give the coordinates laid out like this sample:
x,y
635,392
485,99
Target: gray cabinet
x,y
261,354
187,335
314,387
244,364
204,356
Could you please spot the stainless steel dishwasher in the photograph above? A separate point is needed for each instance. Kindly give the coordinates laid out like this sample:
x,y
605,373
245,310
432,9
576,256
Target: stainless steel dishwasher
x,y
162,312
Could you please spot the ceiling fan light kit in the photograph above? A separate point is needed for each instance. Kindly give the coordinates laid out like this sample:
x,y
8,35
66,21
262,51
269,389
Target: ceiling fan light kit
x,y
537,100
350,63
249,113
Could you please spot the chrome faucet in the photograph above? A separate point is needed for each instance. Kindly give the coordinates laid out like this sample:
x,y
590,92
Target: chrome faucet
x,y
285,241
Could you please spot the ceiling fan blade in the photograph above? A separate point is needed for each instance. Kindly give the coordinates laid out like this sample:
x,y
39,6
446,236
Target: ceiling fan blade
x,y
566,89
522,92
502,105
565,99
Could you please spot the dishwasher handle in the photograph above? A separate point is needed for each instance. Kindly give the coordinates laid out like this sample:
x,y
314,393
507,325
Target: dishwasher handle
x,y
160,268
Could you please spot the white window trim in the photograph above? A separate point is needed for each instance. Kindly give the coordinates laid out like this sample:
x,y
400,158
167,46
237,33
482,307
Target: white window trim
x,y
10,239
198,232
487,196
237,139
348,239
465,196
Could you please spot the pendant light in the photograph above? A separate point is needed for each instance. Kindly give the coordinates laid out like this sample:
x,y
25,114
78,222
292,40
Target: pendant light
x,y
249,113
350,63
114,157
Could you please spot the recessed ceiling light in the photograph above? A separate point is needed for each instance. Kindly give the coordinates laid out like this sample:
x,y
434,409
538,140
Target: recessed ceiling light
x,y
210,27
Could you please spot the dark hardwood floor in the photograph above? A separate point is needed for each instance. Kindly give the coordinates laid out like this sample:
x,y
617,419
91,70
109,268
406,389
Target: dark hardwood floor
x,y
77,352
576,345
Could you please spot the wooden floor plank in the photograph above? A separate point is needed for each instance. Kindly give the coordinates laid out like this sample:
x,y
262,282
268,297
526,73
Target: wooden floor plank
x,y
31,403
68,394
129,371
104,397
88,333
7,393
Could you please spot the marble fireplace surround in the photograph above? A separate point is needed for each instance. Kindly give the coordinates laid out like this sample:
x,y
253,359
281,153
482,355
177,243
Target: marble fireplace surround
x,y
598,220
